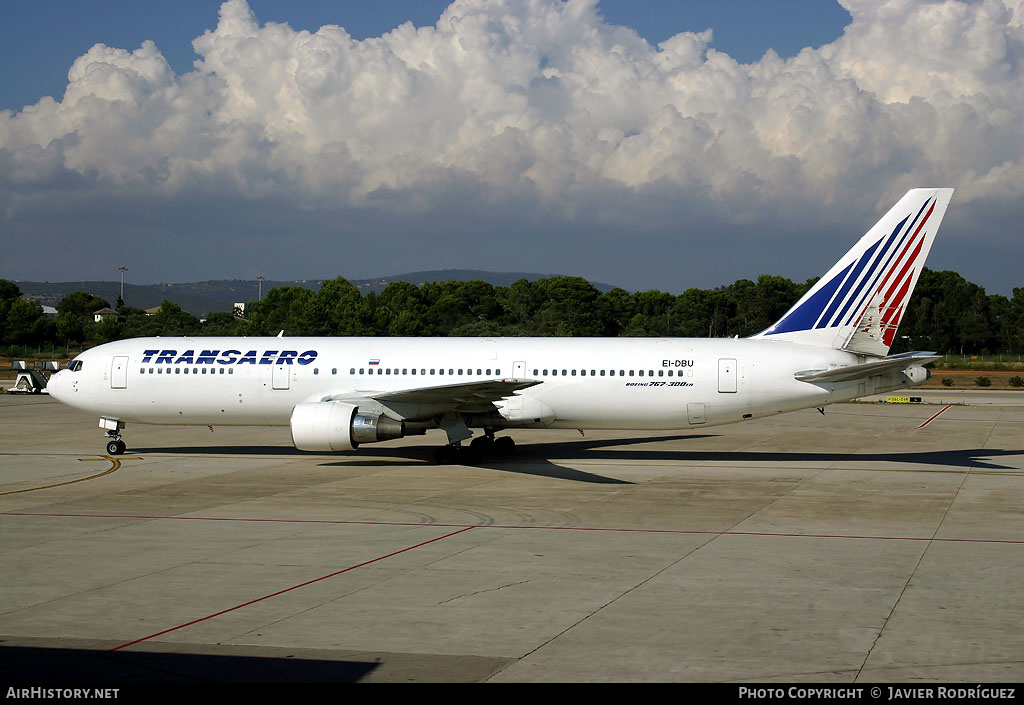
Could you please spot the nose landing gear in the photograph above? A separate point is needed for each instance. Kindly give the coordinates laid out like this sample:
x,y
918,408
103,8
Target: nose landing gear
x,y
115,446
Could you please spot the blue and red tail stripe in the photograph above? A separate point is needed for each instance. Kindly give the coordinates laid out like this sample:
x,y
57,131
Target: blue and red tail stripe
x,y
844,299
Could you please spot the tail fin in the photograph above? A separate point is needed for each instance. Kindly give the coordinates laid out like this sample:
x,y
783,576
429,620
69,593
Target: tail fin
x,y
858,304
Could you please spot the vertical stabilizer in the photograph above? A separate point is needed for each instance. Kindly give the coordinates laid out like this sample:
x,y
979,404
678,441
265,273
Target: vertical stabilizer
x,y
858,304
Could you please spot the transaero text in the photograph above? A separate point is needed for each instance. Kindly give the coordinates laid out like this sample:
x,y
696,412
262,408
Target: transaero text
x,y
228,357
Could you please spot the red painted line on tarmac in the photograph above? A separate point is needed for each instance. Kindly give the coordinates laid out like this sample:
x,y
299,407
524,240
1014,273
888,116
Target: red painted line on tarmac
x,y
935,416
465,527
294,587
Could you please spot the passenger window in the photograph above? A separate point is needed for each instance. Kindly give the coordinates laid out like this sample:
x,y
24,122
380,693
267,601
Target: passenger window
x,y
574,373
414,370
405,371
602,373
641,373
489,372
316,370
478,371
432,371
631,373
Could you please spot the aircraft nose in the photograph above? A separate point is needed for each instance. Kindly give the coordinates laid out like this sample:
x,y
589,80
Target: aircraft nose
x,y
55,384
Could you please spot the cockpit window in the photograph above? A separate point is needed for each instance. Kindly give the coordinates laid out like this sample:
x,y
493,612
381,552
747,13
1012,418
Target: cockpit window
x,y
75,365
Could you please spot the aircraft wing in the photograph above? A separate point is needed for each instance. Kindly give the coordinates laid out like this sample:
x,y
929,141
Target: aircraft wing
x,y
465,397
895,363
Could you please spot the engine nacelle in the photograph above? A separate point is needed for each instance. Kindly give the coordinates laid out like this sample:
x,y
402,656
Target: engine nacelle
x,y
335,425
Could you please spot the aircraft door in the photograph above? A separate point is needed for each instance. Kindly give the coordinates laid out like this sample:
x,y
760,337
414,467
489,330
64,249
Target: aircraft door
x,y
514,403
119,372
695,413
727,375
282,376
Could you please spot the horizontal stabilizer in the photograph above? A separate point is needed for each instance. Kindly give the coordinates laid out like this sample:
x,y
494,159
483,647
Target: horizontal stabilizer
x,y
895,363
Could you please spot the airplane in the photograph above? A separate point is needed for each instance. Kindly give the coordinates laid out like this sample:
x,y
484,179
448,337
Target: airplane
x,y
336,394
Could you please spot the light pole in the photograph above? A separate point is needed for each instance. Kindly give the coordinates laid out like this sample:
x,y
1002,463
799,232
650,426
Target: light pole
x,y
122,270
259,278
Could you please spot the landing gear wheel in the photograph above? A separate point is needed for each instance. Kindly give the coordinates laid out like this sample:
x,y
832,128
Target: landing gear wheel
x,y
504,445
469,456
445,455
115,447
484,445
457,455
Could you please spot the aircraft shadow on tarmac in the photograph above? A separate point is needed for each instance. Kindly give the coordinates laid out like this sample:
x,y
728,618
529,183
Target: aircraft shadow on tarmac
x,y
539,458
40,665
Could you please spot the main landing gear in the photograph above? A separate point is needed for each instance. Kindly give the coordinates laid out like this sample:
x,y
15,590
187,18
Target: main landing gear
x,y
474,453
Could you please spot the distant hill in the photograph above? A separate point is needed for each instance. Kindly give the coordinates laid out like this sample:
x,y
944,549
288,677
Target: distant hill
x,y
200,298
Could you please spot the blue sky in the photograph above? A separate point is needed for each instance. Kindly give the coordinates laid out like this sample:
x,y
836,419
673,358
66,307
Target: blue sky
x,y
512,135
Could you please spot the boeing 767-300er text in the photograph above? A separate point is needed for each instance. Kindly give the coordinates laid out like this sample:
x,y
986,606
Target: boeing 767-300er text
x,y
338,393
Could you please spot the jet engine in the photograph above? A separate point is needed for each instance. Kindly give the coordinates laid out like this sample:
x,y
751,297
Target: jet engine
x,y
335,425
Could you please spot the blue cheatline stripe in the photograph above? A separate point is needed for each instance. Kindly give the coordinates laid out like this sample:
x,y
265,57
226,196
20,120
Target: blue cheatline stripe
x,y
868,282
803,318
861,263
892,253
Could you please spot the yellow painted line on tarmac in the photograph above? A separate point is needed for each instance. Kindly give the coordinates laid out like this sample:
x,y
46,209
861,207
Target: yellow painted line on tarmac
x,y
115,463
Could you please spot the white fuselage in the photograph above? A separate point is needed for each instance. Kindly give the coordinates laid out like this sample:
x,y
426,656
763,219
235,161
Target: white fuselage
x,y
587,383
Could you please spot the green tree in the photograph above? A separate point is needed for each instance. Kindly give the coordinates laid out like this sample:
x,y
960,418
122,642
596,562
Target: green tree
x,y
569,308
24,324
222,323
703,313
336,309
283,308
81,303
760,304
401,311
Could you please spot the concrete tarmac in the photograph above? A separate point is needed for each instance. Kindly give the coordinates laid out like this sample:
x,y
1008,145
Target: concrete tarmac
x,y
876,543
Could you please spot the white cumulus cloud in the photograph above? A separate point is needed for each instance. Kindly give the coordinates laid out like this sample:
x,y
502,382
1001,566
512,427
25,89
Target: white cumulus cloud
x,y
542,105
